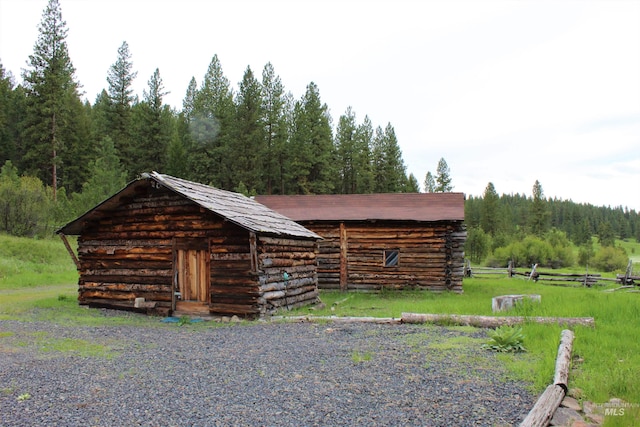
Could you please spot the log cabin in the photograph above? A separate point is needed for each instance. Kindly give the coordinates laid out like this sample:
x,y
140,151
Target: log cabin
x,y
383,241
167,246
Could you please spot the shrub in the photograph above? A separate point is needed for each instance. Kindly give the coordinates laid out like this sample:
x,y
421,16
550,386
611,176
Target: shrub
x,y
23,203
610,258
477,244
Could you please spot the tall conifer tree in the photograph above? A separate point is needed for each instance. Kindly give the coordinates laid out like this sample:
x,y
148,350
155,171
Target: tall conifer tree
x,y
275,129
443,177
212,125
52,91
489,217
346,152
362,157
248,165
120,78
153,129
313,142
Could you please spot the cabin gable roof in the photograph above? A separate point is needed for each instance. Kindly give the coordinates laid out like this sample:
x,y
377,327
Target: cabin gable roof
x,y
234,207
423,207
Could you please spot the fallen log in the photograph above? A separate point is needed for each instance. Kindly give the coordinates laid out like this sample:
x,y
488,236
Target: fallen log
x,y
545,407
563,361
492,321
336,319
547,404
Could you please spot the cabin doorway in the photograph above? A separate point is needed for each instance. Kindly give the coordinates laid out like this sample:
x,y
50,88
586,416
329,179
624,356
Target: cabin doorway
x,y
191,276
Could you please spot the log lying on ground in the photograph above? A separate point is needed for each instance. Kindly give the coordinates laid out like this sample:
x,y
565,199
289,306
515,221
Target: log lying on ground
x,y
547,404
336,319
492,321
545,407
563,361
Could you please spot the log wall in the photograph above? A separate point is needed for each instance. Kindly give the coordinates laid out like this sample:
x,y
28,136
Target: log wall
x,y
431,255
298,258
128,254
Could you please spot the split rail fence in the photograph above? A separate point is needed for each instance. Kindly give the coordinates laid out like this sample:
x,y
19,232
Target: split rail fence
x,y
562,279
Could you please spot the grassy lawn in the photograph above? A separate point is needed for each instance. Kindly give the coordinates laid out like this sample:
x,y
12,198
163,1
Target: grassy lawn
x,y
38,282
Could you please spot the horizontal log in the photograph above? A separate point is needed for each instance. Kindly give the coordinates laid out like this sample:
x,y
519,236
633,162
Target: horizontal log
x,y
285,263
336,319
146,235
563,360
93,294
127,272
153,243
109,263
231,256
544,408
125,287
231,309
293,283
492,321
158,280
284,242
288,255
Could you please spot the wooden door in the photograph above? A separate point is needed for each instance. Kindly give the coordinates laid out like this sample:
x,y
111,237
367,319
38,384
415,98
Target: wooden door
x,y
191,268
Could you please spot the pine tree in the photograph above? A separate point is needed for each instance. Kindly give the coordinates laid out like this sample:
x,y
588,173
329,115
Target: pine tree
x,y
153,129
362,157
378,161
120,78
212,126
178,152
107,177
51,91
248,164
443,177
9,101
314,151
429,183
393,168
412,185
189,101
539,215
489,216
275,128
346,152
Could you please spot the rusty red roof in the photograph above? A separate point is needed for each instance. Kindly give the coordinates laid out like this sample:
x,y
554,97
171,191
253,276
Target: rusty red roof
x,y
361,207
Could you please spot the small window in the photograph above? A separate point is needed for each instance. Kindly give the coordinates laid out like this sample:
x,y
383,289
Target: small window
x,y
391,258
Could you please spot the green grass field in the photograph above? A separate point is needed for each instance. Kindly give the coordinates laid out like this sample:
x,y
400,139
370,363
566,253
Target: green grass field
x,y
38,281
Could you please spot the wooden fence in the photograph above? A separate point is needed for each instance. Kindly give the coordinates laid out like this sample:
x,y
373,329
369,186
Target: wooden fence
x,y
561,279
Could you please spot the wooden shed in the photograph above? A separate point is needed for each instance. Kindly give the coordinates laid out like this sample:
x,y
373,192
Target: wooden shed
x,y
376,241
166,246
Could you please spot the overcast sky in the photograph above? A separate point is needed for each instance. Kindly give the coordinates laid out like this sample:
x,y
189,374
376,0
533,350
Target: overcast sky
x,y
506,91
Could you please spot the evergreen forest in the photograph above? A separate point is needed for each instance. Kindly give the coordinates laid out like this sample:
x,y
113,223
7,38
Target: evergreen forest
x,y
61,155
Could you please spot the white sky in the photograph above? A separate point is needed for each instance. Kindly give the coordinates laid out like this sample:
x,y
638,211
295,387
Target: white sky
x,y
506,91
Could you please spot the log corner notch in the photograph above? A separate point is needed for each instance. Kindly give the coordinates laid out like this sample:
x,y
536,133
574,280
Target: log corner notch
x,y
549,401
68,246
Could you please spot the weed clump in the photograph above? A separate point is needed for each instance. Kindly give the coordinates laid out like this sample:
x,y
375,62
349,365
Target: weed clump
x,y
506,339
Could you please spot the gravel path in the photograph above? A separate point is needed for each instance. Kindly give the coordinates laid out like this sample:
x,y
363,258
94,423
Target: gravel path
x,y
259,374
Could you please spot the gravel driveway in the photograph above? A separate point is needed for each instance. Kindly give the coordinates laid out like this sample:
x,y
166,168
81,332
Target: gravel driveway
x,y
258,374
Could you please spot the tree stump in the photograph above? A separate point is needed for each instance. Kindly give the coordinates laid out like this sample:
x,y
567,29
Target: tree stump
x,y
507,302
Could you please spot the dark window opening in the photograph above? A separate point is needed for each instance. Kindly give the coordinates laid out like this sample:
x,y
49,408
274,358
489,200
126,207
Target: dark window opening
x,y
391,258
